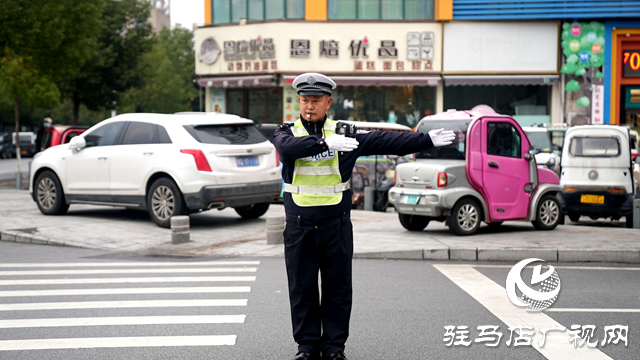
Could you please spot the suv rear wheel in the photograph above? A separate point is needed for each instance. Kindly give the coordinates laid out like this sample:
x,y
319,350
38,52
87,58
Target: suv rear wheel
x,y
49,195
547,213
465,217
414,222
164,200
252,211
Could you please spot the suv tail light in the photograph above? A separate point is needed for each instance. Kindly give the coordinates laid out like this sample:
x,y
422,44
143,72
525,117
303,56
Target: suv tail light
x,y
442,179
201,160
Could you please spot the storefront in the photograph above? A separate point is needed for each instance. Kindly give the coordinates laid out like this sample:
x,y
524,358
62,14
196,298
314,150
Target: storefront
x,y
510,66
385,71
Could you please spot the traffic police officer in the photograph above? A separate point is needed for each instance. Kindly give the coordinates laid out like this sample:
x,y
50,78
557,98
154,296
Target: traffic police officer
x,y
316,168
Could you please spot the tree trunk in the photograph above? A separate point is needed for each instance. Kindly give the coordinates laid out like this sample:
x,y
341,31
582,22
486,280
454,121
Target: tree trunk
x,y
76,107
17,112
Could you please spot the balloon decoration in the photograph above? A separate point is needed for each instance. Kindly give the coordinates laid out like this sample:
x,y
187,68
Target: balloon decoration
x,y
583,46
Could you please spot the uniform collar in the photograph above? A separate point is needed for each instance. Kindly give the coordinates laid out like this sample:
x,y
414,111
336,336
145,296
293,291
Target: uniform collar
x,y
314,128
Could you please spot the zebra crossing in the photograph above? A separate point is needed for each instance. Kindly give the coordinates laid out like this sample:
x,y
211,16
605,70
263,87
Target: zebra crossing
x,y
51,299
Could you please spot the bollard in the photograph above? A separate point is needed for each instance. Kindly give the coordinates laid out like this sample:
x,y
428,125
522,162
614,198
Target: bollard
x,y
368,198
636,213
179,229
275,229
18,181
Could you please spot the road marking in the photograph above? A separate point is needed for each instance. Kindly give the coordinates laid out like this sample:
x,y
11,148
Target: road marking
x,y
566,267
124,271
164,290
117,342
202,263
127,320
121,304
493,297
126,280
593,310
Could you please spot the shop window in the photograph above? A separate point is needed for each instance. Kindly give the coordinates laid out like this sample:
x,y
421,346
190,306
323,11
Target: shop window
x,y
231,11
404,105
380,9
262,105
503,139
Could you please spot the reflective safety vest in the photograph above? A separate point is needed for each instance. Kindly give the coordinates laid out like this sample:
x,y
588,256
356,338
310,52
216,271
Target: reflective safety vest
x,y
316,179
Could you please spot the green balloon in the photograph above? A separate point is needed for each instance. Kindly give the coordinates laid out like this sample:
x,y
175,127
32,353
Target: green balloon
x,y
580,72
599,75
573,58
583,101
572,86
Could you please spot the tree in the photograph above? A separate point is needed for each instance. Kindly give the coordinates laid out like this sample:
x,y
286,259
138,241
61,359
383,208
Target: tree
x,y
167,72
124,37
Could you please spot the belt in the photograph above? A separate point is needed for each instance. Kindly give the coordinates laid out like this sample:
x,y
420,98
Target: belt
x,y
318,224
317,190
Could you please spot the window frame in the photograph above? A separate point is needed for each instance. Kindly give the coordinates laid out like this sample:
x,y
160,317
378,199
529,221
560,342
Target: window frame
x,y
517,132
264,12
596,137
380,17
117,140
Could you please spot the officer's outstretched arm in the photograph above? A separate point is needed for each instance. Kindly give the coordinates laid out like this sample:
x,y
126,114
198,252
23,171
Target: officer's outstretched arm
x,y
393,142
291,148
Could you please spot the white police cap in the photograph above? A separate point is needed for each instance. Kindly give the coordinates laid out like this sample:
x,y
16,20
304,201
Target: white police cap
x,y
313,84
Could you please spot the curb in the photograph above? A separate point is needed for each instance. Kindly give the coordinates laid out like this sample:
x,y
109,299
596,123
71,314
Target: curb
x,y
442,253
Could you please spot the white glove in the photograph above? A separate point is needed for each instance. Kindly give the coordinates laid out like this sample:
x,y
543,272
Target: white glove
x,y
441,137
341,143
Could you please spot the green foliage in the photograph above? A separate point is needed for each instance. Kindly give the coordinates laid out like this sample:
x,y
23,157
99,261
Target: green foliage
x,y
167,72
21,82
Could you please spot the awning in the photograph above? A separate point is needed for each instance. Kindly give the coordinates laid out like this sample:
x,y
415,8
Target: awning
x,y
380,80
456,80
233,81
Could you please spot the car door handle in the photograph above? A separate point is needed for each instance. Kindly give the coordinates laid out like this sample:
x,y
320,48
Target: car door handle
x,y
494,164
102,158
147,153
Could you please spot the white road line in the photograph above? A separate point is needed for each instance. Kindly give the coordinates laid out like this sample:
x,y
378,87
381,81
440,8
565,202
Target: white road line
x,y
126,280
593,310
493,297
124,271
163,290
127,320
125,264
117,342
567,267
121,304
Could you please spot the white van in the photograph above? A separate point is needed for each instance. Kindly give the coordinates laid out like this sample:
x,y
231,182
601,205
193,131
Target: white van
x,y
541,138
596,173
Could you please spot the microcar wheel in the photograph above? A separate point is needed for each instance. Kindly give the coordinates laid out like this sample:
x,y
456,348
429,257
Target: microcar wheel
x,y
413,222
574,217
252,211
629,220
164,200
49,195
547,213
465,217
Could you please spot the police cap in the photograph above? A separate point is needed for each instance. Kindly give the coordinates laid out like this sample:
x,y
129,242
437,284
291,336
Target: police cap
x,y
313,84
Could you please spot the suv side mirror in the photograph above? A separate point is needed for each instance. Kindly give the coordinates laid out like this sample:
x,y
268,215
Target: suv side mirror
x,y
77,143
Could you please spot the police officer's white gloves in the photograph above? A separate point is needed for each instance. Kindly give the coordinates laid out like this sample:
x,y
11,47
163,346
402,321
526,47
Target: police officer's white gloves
x,y
341,143
441,137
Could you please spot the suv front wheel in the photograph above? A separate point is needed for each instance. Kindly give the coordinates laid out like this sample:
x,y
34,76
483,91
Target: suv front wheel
x,y
164,200
49,195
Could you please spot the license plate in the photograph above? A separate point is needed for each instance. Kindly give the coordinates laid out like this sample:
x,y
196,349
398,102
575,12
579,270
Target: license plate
x,y
23,152
592,199
247,161
411,199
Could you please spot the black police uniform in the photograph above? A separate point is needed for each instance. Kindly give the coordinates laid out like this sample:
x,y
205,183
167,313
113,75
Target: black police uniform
x,y
320,238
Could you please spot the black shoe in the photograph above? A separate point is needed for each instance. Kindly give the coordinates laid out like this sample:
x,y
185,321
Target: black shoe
x,y
336,356
306,356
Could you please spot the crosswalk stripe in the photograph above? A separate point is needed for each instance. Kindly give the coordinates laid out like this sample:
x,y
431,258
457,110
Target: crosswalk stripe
x,y
117,342
121,304
126,280
117,264
121,291
124,271
124,320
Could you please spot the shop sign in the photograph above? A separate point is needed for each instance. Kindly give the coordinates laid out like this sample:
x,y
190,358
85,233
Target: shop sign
x,y
249,50
631,62
597,108
209,51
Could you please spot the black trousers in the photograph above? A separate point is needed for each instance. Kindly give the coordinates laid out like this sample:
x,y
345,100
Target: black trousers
x,y
319,324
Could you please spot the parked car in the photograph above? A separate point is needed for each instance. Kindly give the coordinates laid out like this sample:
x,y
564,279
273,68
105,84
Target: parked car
x,y
60,134
488,173
597,173
6,148
167,164
541,138
27,143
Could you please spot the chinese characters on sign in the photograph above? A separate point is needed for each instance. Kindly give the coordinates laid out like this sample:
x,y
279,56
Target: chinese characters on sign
x,y
522,335
329,48
597,105
254,52
300,48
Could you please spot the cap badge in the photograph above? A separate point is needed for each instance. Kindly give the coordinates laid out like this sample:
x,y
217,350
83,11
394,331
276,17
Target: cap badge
x,y
311,80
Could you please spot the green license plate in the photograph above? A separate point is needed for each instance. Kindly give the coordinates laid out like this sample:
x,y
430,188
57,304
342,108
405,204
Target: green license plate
x,y
411,199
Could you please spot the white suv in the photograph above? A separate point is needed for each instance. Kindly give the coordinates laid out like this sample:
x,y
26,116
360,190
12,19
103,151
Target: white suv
x,y
167,164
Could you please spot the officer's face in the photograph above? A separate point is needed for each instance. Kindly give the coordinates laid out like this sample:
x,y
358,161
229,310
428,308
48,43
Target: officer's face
x,y
314,106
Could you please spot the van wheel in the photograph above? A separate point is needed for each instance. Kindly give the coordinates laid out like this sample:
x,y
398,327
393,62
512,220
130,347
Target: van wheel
x,y
629,220
49,194
547,213
414,222
574,217
252,211
164,200
465,218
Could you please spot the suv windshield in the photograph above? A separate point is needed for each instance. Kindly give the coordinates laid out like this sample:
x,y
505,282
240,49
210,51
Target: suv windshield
x,y
455,151
587,146
540,139
235,134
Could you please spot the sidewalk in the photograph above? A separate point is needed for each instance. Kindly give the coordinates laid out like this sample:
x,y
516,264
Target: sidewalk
x,y
376,235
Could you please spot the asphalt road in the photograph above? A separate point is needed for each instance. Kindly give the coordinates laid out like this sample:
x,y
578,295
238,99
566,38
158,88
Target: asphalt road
x,y
9,168
400,307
